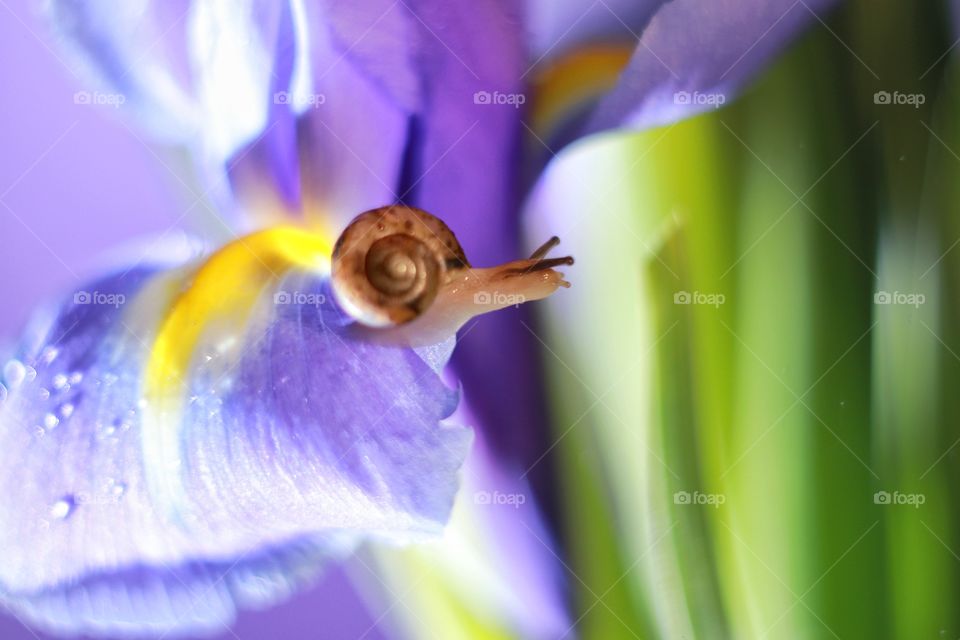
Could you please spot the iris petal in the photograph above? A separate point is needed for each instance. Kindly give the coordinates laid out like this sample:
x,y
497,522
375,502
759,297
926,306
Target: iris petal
x,y
339,123
494,574
279,442
140,50
194,598
692,52
557,28
465,164
294,107
652,63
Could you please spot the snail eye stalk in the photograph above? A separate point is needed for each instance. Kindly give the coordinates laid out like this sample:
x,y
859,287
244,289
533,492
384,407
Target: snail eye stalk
x,y
403,276
545,248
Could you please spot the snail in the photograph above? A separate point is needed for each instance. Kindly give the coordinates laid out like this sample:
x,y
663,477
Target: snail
x,y
403,276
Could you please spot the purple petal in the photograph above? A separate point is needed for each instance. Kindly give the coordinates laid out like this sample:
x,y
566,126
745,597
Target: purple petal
x,y
694,56
294,443
465,166
338,129
303,109
557,28
497,561
380,104
193,72
517,545
194,598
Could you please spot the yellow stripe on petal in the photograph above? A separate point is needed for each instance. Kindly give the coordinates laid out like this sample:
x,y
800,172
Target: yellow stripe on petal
x,y
573,80
212,312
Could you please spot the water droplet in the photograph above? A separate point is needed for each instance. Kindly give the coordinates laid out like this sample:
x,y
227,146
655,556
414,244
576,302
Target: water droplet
x,y
31,373
14,372
59,381
44,393
66,410
76,377
62,508
108,430
39,432
123,424
49,354
119,489
50,421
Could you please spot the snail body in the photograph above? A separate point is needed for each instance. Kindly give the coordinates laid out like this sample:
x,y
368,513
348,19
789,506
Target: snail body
x,y
402,275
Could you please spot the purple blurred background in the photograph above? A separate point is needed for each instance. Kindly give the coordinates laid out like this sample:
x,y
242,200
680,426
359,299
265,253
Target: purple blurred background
x,y
75,182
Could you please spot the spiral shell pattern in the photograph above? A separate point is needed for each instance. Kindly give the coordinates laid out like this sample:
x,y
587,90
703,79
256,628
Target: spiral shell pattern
x,y
390,263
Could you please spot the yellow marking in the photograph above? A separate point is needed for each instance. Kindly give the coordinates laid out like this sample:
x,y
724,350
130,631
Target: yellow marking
x,y
574,79
220,296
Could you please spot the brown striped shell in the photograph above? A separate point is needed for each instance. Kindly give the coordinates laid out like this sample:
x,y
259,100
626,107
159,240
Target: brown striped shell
x,y
390,263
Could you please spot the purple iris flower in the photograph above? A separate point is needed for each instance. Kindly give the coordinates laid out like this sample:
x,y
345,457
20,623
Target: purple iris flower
x,y
198,429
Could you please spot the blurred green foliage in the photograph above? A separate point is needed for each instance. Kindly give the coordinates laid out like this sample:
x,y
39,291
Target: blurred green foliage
x,y
752,376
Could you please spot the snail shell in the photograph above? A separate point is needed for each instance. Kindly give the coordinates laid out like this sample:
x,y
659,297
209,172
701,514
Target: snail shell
x,y
390,263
